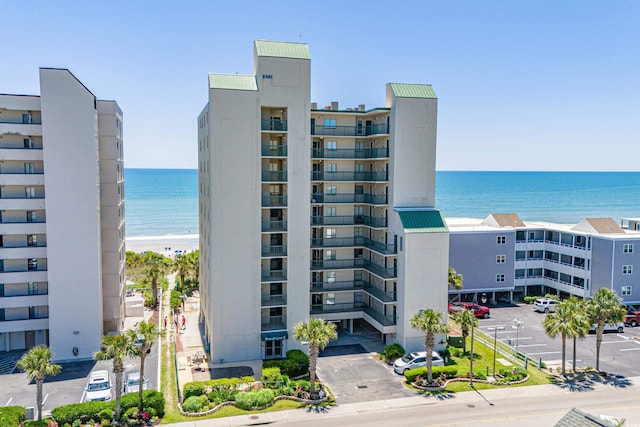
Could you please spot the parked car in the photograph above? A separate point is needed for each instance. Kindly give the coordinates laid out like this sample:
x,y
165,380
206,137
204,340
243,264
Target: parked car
x,y
609,327
416,360
480,311
132,382
632,317
98,386
545,305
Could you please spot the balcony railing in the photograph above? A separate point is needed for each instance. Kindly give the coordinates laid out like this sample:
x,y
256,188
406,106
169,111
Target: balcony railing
x,y
349,220
349,153
20,121
380,294
25,293
385,273
274,150
349,285
274,250
336,242
349,176
274,275
274,201
274,225
341,264
271,176
373,129
22,221
20,172
274,323
380,247
279,125
379,317
336,308
273,300
372,199
16,197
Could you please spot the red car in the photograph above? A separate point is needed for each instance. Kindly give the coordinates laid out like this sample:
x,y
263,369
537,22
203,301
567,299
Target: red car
x,y
479,311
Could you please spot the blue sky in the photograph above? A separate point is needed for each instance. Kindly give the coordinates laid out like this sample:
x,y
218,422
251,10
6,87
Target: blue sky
x,y
522,85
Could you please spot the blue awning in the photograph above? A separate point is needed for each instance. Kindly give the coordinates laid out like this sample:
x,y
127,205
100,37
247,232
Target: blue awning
x,y
275,336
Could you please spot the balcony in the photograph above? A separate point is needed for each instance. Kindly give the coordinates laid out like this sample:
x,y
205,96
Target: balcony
x,y
379,317
19,128
337,242
336,308
274,176
382,272
274,201
344,264
371,199
271,225
269,300
350,153
274,323
350,285
373,129
376,176
380,247
274,250
350,220
274,150
274,276
275,125
380,295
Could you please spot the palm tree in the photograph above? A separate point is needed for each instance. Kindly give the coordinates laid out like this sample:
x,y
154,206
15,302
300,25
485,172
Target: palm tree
x,y
430,322
156,266
37,365
580,321
467,320
182,265
566,322
143,337
194,262
116,348
455,280
605,307
318,334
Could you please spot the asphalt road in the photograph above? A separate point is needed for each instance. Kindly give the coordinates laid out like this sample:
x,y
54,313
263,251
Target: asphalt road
x,y
68,386
618,353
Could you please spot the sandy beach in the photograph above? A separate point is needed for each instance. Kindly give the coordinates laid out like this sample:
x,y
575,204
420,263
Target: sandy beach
x,y
166,245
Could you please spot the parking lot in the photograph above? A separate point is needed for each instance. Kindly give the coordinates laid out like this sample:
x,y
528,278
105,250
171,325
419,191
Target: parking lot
x,y
618,353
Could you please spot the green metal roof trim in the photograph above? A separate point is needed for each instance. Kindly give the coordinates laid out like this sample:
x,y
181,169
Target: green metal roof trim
x,y
371,110
420,221
232,82
282,49
409,90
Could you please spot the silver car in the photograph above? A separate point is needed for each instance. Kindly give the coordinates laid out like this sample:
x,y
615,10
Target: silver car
x,y
132,382
416,360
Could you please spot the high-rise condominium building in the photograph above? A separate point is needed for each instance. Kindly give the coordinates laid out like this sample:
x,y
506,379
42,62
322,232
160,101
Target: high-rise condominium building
x,y
62,253
314,212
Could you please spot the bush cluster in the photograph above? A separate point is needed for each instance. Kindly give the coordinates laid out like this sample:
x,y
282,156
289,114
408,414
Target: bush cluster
x,y
255,399
529,299
295,365
272,378
449,371
12,415
198,388
515,374
195,403
393,352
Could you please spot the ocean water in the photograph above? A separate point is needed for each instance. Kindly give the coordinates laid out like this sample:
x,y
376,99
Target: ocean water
x,y
162,202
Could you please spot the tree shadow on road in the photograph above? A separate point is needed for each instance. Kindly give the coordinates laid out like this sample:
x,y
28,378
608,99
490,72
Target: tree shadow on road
x,y
584,381
318,409
439,395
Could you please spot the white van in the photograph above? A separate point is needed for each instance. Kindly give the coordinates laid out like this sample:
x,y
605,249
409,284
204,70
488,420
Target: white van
x,y
545,305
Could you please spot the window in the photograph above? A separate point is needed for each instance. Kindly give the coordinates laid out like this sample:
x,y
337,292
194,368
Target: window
x,y
273,348
30,192
33,264
501,240
332,189
331,167
26,118
331,276
358,232
33,288
331,299
330,255
28,143
499,277
627,248
626,291
32,240
29,168
330,123
330,211
627,269
332,145
501,259
330,233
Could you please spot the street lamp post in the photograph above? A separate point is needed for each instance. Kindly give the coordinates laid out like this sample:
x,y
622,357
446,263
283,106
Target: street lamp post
x,y
495,330
517,324
471,359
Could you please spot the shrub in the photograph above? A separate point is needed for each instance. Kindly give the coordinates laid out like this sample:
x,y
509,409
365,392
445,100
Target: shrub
x,y
106,414
195,403
12,415
449,371
552,296
130,413
480,375
255,399
529,300
392,352
198,388
79,411
150,398
222,395
295,365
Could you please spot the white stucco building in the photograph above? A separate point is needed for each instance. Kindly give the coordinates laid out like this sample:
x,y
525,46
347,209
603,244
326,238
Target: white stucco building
x,y
314,212
62,253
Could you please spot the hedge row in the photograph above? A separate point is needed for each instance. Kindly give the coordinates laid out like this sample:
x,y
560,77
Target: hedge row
x,y
295,365
90,410
12,415
198,388
449,371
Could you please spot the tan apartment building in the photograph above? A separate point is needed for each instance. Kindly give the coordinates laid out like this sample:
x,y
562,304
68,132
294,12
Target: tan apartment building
x,y
314,212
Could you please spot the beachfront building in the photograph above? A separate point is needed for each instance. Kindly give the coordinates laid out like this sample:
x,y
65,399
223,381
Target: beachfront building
x,y
314,212
501,255
62,260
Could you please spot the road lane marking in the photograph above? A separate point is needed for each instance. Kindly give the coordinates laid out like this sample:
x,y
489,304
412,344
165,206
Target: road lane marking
x,y
83,395
9,401
622,336
629,349
614,342
45,399
531,345
546,352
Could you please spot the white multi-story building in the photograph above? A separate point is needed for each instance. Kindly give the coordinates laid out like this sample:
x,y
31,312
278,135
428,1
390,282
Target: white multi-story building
x,y
62,253
308,212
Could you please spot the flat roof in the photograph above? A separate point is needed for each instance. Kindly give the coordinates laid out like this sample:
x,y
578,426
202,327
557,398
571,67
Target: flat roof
x,y
232,82
282,49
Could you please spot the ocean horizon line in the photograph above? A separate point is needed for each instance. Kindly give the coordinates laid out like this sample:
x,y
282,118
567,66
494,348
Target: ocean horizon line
x,y
442,170
163,237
